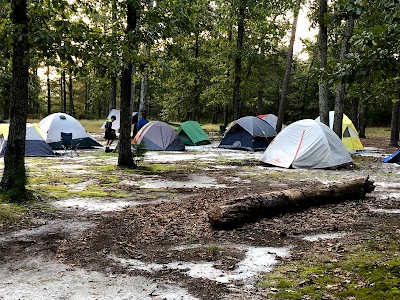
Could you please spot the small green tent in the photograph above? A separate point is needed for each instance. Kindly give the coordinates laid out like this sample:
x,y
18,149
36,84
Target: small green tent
x,y
192,134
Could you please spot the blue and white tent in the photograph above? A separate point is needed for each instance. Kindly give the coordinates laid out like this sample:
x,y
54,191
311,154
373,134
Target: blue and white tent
x,y
35,145
248,133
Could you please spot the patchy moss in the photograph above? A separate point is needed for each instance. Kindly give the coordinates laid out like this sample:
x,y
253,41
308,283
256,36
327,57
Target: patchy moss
x,y
108,179
362,274
105,168
92,191
119,194
158,168
53,191
11,212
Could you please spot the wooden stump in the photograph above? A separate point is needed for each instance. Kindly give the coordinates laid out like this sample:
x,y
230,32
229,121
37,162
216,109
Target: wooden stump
x,y
247,209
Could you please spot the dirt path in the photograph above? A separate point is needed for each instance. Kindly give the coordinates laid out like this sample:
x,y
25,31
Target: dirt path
x,y
113,234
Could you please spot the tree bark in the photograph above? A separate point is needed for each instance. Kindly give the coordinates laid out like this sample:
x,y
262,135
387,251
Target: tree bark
x,y
125,158
14,174
133,90
362,118
260,104
196,88
70,96
113,79
340,90
113,93
61,93
252,208
238,60
323,56
394,125
288,71
144,86
48,92
64,79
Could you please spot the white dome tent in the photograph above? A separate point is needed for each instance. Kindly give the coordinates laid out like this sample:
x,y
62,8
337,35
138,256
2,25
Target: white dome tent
x,y
306,144
54,124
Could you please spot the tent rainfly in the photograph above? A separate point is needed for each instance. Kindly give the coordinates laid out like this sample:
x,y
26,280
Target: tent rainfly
x,y
117,123
349,133
306,144
271,119
192,134
248,133
159,136
54,124
35,145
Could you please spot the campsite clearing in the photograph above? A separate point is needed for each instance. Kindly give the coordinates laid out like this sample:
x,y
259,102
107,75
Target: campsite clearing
x,y
101,232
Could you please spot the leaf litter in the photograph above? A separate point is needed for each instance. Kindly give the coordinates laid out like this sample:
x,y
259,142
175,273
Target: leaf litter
x,y
165,249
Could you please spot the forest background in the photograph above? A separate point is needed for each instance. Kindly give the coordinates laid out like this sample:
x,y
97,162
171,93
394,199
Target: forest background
x,y
195,59
202,60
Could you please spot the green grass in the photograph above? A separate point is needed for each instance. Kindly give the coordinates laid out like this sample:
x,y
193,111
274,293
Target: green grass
x,y
211,127
377,132
11,212
365,273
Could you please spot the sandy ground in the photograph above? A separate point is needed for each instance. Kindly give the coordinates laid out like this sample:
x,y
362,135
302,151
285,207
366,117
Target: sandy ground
x,y
156,242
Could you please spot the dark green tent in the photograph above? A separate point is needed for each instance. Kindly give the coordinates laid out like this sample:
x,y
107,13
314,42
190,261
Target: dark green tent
x,y
192,134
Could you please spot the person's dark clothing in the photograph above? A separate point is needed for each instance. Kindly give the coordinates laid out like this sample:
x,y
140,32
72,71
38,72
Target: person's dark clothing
x,y
109,133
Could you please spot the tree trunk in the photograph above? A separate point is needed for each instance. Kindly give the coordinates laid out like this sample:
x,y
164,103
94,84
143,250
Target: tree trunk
x,y
323,56
61,93
14,174
196,88
394,126
288,71
113,79
354,112
260,105
252,208
71,99
64,92
125,158
340,90
238,60
113,93
362,119
133,90
48,92
86,98
304,101
144,87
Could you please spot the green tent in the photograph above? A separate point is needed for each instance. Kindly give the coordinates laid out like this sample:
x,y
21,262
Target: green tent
x,y
192,134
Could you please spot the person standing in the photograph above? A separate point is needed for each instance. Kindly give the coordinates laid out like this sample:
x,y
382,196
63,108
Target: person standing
x,y
109,133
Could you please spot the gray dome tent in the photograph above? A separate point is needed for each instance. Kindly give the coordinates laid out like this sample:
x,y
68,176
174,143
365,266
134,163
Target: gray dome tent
x,y
160,136
248,133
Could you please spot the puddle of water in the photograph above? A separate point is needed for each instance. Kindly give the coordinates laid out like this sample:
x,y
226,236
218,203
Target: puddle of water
x,y
192,182
257,260
206,153
75,169
385,211
237,179
42,279
383,195
53,226
371,151
100,205
225,167
380,185
323,236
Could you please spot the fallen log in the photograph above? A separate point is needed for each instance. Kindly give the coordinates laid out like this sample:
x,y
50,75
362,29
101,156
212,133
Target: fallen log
x,y
247,209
